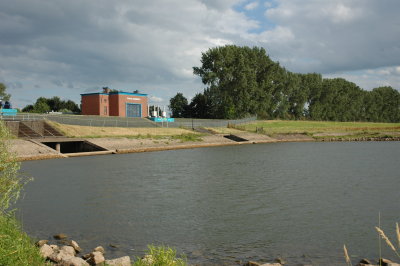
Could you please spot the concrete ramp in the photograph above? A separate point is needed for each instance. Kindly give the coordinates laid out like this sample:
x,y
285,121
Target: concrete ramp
x,y
32,129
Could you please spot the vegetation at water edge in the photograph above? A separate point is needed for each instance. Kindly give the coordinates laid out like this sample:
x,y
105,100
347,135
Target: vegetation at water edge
x,y
161,256
16,248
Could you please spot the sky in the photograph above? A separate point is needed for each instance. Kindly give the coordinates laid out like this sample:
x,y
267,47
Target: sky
x,y
65,48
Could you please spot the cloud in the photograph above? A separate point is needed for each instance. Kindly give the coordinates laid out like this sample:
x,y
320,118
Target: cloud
x,y
337,35
156,99
251,6
70,47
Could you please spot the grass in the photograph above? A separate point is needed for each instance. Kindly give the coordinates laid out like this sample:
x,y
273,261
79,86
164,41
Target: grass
x,y
102,132
160,256
382,236
16,248
324,129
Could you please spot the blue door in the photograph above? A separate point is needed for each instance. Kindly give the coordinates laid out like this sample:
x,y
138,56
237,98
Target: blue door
x,y
133,110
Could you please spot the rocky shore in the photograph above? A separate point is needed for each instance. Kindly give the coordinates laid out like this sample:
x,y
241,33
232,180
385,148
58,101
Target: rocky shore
x,y
68,253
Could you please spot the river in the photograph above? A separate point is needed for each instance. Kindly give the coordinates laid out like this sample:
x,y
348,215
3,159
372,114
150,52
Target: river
x,y
222,205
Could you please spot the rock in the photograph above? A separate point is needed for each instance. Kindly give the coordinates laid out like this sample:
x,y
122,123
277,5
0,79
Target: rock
x,y
99,249
365,261
280,261
123,261
95,258
393,264
113,246
252,263
60,236
75,261
384,262
61,256
68,250
55,248
46,251
271,264
75,245
41,243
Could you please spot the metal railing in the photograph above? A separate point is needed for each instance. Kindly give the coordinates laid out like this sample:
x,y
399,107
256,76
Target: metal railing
x,y
112,121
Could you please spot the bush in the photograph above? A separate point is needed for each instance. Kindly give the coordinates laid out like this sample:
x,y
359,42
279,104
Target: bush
x,y
16,248
10,182
160,256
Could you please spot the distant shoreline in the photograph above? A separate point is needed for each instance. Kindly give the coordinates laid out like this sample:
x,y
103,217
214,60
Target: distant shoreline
x,y
28,150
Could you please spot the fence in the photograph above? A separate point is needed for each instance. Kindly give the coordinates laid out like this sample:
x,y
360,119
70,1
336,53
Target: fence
x,y
112,121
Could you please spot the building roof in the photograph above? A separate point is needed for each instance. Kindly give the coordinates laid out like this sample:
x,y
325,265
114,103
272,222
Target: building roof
x,y
113,93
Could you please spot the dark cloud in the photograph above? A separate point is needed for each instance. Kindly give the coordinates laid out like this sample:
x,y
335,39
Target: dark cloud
x,y
70,47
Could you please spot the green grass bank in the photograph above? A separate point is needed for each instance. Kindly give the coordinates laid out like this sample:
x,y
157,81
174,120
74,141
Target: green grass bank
x,y
321,130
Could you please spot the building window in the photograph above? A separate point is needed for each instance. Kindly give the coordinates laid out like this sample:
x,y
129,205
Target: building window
x,y
105,110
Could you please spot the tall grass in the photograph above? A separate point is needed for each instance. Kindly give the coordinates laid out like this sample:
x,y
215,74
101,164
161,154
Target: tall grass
x,y
160,256
16,248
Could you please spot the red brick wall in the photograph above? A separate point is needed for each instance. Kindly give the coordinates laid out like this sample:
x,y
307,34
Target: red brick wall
x,y
90,104
114,101
124,99
104,107
112,104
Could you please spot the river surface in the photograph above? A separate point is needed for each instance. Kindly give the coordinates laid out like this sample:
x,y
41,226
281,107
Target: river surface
x,y
222,205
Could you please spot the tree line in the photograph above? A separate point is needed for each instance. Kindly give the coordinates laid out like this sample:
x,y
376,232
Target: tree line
x,y
244,81
44,105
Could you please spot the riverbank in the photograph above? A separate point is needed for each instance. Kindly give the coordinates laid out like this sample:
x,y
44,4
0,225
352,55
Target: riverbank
x,y
131,140
34,150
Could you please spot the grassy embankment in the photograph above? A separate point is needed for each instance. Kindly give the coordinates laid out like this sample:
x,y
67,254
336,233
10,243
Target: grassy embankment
x,y
16,248
156,133
321,130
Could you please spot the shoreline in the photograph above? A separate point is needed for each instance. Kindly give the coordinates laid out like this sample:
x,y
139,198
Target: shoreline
x,y
33,149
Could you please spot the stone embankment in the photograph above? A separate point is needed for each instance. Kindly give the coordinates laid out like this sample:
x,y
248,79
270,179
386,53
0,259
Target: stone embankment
x,y
67,254
70,254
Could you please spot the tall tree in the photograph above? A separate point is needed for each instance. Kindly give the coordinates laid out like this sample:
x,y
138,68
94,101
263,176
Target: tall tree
x,y
3,95
236,79
178,105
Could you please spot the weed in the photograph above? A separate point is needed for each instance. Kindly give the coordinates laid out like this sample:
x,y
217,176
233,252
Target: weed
x,y
160,256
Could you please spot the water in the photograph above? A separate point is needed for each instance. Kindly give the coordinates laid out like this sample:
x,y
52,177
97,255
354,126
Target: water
x,y
299,201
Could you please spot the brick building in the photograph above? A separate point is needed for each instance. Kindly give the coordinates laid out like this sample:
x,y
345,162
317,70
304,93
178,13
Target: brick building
x,y
123,104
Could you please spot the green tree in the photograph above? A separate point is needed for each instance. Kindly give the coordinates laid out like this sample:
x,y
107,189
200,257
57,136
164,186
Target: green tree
x,y
198,107
178,105
239,80
3,95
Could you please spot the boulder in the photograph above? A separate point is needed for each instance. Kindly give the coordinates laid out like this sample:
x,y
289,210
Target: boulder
x,y
75,261
60,236
96,257
280,261
46,251
252,263
68,250
61,256
55,248
41,243
271,264
100,249
384,262
123,261
75,245
365,261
